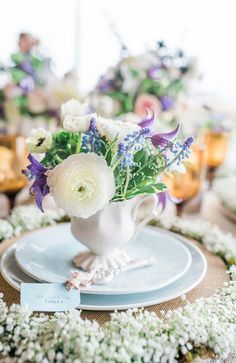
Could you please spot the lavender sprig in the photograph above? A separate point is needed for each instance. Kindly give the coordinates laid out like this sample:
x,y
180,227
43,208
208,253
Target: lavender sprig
x,y
182,151
132,143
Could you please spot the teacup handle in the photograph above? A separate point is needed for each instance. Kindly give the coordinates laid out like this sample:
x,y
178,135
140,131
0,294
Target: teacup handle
x,y
152,214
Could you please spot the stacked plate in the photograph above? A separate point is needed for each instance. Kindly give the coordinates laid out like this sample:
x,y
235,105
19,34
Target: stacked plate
x,y
46,256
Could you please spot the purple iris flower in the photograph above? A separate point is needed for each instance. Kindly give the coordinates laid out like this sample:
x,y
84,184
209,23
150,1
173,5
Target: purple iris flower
x,y
162,139
27,85
167,102
39,187
26,67
148,120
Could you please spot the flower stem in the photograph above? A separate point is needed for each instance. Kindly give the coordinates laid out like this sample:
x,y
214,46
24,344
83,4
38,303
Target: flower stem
x,y
127,181
117,163
78,146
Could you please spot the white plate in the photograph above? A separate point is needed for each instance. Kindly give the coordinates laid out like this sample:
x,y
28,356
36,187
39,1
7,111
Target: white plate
x,y
14,276
46,255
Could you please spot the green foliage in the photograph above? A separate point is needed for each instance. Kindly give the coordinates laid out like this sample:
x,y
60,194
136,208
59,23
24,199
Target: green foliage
x,y
17,75
125,100
141,178
64,144
153,87
17,58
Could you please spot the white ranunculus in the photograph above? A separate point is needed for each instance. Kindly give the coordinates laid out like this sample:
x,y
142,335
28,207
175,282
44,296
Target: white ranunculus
x,y
78,123
39,141
82,184
74,108
111,129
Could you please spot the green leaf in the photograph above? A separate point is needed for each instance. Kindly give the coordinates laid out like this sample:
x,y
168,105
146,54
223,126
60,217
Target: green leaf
x,y
17,58
17,75
36,62
148,189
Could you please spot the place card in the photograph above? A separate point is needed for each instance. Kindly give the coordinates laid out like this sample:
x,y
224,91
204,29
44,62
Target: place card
x,y
49,297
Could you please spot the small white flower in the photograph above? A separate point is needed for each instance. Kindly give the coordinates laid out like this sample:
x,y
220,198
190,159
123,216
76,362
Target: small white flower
x,y
82,184
39,141
6,230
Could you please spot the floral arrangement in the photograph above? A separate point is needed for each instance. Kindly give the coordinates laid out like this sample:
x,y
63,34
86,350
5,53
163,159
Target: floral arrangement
x,y
95,161
203,328
153,79
25,92
31,90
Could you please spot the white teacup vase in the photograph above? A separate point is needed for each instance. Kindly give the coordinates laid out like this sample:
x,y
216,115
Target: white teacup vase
x,y
106,233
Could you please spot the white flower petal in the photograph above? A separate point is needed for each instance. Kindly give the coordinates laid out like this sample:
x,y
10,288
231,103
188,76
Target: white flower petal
x,y
73,107
39,141
82,184
78,123
110,129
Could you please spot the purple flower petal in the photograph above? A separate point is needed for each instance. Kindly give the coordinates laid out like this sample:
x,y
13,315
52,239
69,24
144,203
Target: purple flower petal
x,y
39,187
162,199
148,120
163,138
26,66
27,85
154,72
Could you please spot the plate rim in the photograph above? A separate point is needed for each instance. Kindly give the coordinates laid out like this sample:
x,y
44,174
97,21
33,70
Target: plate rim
x,y
121,291
125,306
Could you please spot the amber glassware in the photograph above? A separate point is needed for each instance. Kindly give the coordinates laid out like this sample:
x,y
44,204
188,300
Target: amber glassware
x,y
216,143
13,158
185,186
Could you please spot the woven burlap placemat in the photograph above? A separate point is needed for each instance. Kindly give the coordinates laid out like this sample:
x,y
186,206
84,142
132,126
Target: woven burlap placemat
x,y
214,278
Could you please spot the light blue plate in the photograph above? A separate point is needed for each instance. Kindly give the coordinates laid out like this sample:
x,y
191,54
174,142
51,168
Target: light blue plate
x,y
46,255
14,276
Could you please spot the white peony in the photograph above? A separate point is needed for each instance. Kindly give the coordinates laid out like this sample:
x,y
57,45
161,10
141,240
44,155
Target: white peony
x,y
82,184
111,129
39,141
